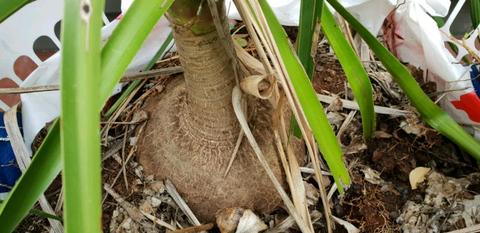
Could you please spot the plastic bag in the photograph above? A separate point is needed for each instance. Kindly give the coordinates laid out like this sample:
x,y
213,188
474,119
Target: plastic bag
x,y
9,171
39,19
417,40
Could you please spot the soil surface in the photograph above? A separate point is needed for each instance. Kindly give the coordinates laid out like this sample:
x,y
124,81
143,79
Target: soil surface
x,y
393,153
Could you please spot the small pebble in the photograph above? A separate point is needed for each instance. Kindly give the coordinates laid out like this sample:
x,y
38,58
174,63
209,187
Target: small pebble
x,y
138,172
133,141
127,224
156,202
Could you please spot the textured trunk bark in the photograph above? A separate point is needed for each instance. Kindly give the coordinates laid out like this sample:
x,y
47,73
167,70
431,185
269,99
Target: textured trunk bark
x,y
209,82
209,74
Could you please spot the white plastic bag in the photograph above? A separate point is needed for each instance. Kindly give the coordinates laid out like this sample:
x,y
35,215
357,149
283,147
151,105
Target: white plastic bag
x,y
17,35
39,18
415,38
419,42
287,11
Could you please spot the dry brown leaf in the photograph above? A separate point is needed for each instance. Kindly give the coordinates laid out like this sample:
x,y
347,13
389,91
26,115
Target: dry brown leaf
x,y
447,205
372,176
238,220
348,226
260,86
250,62
381,134
227,219
250,223
417,176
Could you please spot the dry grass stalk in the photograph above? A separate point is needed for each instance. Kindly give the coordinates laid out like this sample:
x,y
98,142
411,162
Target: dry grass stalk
x,y
266,37
471,229
354,106
235,151
134,213
123,163
236,100
21,90
345,123
249,20
119,111
297,187
172,191
59,204
23,155
162,72
137,76
312,171
283,226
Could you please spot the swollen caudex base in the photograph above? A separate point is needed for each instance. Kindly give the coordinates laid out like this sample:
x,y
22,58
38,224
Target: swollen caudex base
x,y
192,130
196,165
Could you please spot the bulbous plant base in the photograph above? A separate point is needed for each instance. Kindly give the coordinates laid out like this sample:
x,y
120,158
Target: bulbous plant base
x,y
196,165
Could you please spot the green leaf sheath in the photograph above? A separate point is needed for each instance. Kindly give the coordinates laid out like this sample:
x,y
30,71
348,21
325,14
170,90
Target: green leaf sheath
x,y
46,164
353,68
430,112
314,112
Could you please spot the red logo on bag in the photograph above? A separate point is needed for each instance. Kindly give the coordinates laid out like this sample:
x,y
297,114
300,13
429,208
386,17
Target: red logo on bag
x,y
470,103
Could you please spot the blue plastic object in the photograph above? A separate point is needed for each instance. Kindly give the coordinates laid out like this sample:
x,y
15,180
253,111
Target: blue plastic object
x,y
9,171
475,76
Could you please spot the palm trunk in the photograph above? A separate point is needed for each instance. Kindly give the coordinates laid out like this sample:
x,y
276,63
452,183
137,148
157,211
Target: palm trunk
x,y
192,128
209,79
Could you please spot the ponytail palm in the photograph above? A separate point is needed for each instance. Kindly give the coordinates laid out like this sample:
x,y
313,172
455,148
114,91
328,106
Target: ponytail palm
x,y
193,128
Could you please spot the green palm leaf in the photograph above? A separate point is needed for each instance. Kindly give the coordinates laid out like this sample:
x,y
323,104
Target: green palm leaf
x,y
79,118
309,18
353,68
8,7
46,164
313,110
